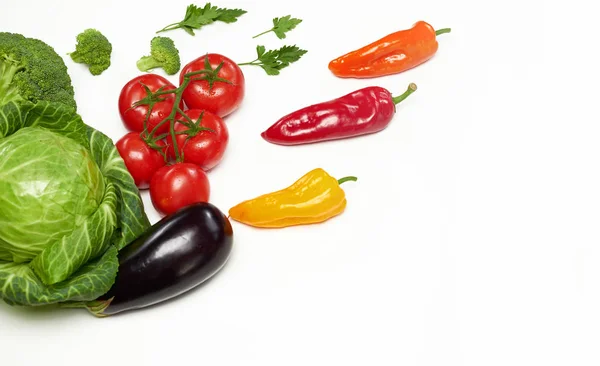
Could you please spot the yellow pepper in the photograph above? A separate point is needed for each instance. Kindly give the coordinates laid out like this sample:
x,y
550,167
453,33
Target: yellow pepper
x,y
314,198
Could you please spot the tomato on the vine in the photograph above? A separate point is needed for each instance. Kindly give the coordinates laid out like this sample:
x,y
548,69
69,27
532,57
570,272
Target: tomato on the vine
x,y
133,116
198,145
141,160
175,186
220,90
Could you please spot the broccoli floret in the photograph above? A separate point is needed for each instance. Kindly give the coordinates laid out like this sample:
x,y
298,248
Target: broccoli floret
x,y
94,50
164,54
31,70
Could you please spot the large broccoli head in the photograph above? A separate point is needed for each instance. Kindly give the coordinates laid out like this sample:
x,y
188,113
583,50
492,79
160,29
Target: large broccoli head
x,y
94,50
31,70
163,54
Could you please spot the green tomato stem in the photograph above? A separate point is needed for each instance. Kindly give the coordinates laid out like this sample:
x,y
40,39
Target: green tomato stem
x,y
188,120
171,117
178,95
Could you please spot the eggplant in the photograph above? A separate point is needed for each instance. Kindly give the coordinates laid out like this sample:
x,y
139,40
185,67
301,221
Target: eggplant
x,y
173,256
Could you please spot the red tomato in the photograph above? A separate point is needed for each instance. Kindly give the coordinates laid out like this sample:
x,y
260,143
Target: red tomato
x,y
223,98
205,148
175,186
141,160
133,91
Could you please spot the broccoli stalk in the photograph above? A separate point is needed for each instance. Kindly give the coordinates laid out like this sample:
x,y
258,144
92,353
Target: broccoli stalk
x,y
163,54
94,50
148,63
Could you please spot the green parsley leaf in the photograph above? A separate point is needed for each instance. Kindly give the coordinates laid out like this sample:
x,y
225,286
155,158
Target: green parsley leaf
x,y
281,26
260,50
197,17
273,61
230,15
289,54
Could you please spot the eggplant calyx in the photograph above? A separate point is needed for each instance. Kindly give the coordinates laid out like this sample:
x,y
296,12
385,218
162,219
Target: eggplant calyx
x,y
96,307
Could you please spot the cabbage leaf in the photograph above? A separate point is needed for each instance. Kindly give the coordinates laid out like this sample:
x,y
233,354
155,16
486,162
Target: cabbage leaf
x,y
67,206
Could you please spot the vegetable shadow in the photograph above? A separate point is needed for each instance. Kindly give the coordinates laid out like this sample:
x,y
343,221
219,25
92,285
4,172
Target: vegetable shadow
x,y
37,313
54,311
167,303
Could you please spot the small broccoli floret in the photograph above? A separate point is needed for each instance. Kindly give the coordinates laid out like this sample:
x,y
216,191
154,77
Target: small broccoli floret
x,y
31,70
92,49
162,54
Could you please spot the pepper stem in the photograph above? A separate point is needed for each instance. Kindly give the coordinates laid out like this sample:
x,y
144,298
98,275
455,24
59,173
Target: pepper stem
x,y
412,87
442,31
345,179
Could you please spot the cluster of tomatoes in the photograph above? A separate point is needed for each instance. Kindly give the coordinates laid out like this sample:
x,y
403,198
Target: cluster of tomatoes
x,y
175,183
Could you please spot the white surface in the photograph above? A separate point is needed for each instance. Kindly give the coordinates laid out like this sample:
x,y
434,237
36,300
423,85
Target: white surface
x,y
471,237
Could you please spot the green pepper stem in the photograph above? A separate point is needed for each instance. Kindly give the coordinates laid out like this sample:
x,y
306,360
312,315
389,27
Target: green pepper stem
x,y
345,179
411,89
442,31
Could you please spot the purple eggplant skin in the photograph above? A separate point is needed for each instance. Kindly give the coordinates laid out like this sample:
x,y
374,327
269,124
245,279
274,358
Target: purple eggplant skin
x,y
173,256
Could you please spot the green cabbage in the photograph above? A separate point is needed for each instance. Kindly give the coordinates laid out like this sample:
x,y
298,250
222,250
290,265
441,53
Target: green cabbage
x,y
67,206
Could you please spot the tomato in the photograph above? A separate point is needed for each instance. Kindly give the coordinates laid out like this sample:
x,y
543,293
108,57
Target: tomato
x,y
133,91
175,186
141,160
223,98
203,148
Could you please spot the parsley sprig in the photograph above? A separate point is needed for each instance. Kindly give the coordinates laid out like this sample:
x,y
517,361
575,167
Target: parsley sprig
x,y
197,17
281,26
273,61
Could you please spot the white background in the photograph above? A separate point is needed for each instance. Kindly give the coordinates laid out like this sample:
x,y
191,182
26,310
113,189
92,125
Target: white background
x,y
470,238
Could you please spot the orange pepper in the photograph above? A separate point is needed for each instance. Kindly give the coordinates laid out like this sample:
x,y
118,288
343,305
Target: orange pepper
x,y
392,54
314,198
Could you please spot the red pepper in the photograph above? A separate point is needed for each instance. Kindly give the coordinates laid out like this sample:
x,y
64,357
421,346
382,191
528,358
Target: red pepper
x,y
364,111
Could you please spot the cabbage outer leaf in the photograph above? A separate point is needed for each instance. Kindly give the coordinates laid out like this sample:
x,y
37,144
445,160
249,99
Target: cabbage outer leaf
x,y
121,216
49,186
131,217
62,258
19,285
